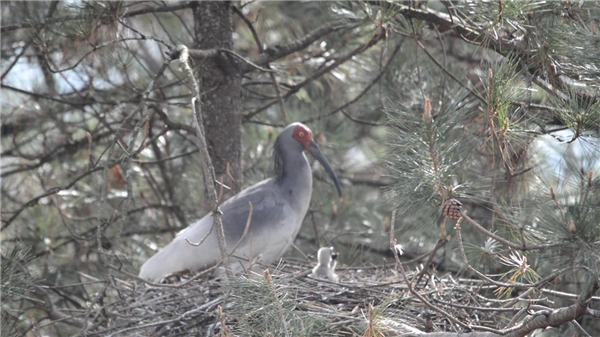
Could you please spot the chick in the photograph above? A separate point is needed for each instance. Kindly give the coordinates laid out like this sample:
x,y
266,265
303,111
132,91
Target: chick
x,y
326,266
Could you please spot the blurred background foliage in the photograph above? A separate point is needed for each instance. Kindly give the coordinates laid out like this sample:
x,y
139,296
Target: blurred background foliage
x,y
67,87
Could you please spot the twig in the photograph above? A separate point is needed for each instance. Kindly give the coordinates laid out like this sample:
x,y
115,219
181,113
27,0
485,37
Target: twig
x,y
279,98
176,319
275,300
196,244
558,316
414,35
360,121
261,50
338,61
207,167
34,201
54,314
18,57
78,17
399,267
562,213
428,119
245,229
142,109
251,27
441,242
94,49
490,118
281,51
473,92
224,329
44,96
160,285
365,89
539,283
502,240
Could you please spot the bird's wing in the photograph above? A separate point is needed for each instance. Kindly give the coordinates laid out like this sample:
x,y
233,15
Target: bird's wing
x,y
272,227
269,213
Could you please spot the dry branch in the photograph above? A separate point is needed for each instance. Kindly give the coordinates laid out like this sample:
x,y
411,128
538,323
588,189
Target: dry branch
x,y
190,307
322,71
207,167
77,17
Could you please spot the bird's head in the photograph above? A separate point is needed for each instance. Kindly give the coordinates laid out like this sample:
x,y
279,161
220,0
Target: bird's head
x,y
325,255
303,136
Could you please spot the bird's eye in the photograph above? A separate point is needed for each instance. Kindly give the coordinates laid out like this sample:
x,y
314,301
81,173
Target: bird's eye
x,y
301,134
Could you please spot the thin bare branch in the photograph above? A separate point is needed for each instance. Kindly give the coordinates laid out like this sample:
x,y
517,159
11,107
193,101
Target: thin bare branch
x,y
78,17
207,167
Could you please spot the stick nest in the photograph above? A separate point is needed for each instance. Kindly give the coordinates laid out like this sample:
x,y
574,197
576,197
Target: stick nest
x,y
370,301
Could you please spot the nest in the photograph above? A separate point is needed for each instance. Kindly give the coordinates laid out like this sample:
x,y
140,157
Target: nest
x,y
370,301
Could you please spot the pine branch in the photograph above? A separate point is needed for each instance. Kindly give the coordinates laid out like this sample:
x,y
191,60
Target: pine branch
x,y
78,17
363,92
322,71
560,316
54,190
474,35
272,54
278,52
502,240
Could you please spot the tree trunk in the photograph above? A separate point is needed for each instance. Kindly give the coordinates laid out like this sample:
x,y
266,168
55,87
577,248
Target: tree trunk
x,y
221,83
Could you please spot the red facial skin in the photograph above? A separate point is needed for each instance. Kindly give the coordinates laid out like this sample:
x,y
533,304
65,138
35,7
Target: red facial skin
x,y
302,135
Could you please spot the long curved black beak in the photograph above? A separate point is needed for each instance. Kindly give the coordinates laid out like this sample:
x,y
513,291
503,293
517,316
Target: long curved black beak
x,y
314,150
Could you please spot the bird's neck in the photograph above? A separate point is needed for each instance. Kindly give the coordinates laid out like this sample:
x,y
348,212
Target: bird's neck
x,y
295,177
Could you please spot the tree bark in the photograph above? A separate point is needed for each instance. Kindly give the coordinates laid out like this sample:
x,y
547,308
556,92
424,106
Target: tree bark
x,y
222,87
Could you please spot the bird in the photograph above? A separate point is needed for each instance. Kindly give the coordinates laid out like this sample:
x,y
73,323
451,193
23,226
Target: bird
x,y
327,261
278,205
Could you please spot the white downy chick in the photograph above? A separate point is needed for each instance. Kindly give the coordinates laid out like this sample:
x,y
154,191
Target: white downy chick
x,y
327,261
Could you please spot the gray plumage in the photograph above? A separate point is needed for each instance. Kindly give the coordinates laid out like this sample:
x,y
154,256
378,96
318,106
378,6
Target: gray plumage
x,y
326,264
279,206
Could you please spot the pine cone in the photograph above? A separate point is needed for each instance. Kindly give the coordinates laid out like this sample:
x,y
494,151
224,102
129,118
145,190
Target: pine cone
x,y
452,209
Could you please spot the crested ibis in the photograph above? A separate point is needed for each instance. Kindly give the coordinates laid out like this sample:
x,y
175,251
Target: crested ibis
x,y
279,205
327,261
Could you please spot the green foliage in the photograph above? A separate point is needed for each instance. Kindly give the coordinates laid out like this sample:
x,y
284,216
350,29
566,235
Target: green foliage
x,y
520,272
8,326
493,16
506,88
15,280
262,310
15,283
384,318
409,162
573,221
566,217
548,83
578,113
482,256
571,44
